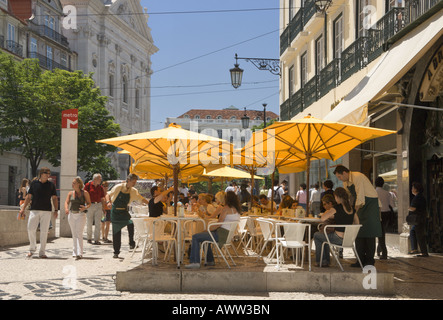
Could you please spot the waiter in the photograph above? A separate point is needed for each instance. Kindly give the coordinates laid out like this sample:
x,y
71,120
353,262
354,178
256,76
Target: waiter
x,y
365,199
120,197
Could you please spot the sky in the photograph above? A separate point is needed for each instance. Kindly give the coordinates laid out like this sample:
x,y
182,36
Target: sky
x,y
197,42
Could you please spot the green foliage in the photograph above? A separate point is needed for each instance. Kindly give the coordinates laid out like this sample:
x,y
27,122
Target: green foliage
x,y
31,102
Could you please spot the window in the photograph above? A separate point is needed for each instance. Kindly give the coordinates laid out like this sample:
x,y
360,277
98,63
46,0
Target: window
x,y
291,81
186,116
125,89
319,54
364,21
63,60
33,48
304,69
111,85
49,26
49,57
208,117
219,117
338,36
11,32
197,117
137,99
291,10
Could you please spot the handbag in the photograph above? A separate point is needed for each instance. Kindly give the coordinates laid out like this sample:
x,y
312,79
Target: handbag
x,y
329,221
412,218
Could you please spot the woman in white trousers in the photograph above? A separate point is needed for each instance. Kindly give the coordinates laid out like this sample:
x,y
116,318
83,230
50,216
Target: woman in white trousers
x,y
76,205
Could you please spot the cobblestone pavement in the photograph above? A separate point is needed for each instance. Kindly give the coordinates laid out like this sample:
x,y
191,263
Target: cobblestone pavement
x,y
60,277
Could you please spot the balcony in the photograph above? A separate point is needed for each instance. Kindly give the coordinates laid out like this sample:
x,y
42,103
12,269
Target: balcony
x,y
296,25
46,62
45,31
358,54
11,46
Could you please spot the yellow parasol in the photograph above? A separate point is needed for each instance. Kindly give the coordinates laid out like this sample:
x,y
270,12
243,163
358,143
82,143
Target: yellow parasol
x,y
171,149
311,138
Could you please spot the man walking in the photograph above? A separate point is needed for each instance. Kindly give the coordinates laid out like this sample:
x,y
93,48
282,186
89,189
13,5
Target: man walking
x,y
365,199
95,212
41,192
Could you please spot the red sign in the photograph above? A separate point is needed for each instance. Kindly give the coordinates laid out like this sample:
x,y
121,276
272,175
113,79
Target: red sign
x,y
70,119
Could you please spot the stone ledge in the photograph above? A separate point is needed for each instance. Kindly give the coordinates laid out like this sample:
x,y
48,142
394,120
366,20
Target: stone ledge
x,y
147,279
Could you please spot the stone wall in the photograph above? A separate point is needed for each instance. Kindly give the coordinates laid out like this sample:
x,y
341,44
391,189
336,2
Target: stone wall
x,y
14,232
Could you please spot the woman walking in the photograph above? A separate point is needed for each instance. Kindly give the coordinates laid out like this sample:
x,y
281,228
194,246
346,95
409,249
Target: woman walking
x,y
76,205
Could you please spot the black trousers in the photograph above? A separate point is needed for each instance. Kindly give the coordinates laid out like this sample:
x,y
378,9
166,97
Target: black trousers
x,y
420,233
381,248
117,238
366,250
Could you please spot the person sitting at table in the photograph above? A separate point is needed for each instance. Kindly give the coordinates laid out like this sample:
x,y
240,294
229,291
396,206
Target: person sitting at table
x,y
156,203
328,202
220,201
205,205
266,204
192,206
231,212
342,213
285,204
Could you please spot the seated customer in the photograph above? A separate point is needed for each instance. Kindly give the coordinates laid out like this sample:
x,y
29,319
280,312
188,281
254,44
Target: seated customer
x,y
231,212
206,209
342,213
266,204
156,203
285,204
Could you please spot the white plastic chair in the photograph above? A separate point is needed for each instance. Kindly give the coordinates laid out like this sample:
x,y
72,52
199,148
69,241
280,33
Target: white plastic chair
x,y
143,228
269,233
350,234
294,238
159,235
255,234
242,232
204,247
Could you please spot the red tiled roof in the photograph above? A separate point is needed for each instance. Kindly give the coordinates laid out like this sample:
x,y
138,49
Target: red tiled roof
x,y
21,9
227,114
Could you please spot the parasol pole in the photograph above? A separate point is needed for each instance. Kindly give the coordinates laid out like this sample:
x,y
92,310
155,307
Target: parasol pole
x,y
308,167
272,192
252,188
176,169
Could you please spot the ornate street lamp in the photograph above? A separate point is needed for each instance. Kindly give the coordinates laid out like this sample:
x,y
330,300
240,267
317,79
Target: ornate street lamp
x,y
272,65
236,74
322,5
245,121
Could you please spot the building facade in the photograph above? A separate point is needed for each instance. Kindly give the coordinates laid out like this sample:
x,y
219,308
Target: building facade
x,y
30,29
107,37
113,40
375,63
224,124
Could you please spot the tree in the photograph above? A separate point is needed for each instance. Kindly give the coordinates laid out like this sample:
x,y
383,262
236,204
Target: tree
x,y
31,102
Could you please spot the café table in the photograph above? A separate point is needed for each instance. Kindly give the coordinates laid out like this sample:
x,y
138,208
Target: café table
x,y
179,220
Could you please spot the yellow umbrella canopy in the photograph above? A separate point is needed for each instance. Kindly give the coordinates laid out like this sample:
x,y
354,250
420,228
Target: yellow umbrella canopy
x,y
229,173
315,138
311,138
171,149
169,143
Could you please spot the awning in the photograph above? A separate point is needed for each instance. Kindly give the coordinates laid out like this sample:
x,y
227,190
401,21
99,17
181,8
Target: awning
x,y
390,68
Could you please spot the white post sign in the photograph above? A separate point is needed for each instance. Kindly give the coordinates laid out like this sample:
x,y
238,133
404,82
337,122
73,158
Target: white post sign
x,y
68,170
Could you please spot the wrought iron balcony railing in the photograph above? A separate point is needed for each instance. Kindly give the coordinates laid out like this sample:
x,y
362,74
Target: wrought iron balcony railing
x,y
46,62
356,56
